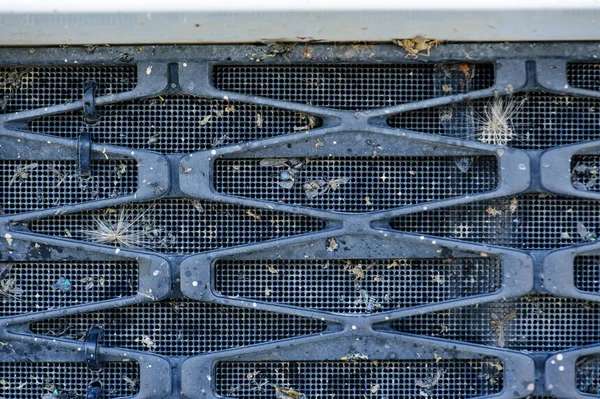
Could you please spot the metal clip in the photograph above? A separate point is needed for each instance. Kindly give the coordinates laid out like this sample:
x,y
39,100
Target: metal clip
x,y
91,347
90,114
84,154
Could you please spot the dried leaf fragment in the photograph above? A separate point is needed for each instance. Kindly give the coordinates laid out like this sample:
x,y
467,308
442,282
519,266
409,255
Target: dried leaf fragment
x,y
287,393
333,245
493,211
513,205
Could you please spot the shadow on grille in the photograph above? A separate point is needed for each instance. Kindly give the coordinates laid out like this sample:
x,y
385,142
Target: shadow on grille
x,y
35,380
32,185
26,88
584,172
27,287
584,75
587,374
356,184
358,286
587,273
177,225
178,124
393,379
529,323
532,221
538,120
181,327
353,86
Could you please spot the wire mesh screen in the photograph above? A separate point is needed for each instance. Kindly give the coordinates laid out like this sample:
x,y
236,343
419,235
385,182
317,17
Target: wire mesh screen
x,y
32,185
22,380
587,375
531,221
181,327
584,75
357,286
529,323
177,225
587,273
534,120
24,88
27,287
584,172
353,86
356,184
360,379
178,124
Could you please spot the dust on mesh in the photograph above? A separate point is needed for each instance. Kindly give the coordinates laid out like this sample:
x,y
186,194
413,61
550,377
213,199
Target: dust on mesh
x,y
353,86
33,185
465,378
177,225
586,270
587,375
24,88
356,184
584,75
358,286
530,323
25,380
531,221
181,327
29,287
537,120
178,124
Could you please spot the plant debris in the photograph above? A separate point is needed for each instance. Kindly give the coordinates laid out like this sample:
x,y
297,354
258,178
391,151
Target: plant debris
x,y
493,211
498,325
417,46
147,342
333,245
22,173
513,205
495,126
287,393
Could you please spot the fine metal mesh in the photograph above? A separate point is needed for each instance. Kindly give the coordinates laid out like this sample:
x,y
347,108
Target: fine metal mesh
x,y
181,327
31,185
587,273
539,121
584,75
529,323
20,380
178,124
358,286
374,184
177,225
353,86
465,378
584,172
531,221
26,88
587,375
27,287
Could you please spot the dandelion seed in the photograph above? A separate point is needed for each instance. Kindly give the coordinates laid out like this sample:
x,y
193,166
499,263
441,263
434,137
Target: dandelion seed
x,y
495,126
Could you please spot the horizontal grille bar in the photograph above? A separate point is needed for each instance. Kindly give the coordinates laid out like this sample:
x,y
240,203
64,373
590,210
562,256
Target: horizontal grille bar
x,y
26,88
32,185
178,124
177,225
530,323
360,379
181,327
358,286
356,184
27,287
353,86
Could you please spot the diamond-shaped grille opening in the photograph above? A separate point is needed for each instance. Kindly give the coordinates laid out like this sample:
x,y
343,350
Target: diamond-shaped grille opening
x,y
353,86
181,327
356,184
33,185
358,286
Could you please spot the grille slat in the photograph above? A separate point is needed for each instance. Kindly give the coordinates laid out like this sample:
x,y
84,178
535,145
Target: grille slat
x,y
28,287
26,88
177,226
539,120
531,323
358,286
181,327
69,380
353,86
357,380
372,184
32,185
532,221
178,124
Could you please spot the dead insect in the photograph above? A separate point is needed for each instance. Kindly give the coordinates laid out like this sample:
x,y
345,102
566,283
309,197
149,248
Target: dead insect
x,y
584,233
147,342
500,324
431,380
22,173
9,289
464,163
132,384
287,393
309,122
417,46
317,187
292,168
